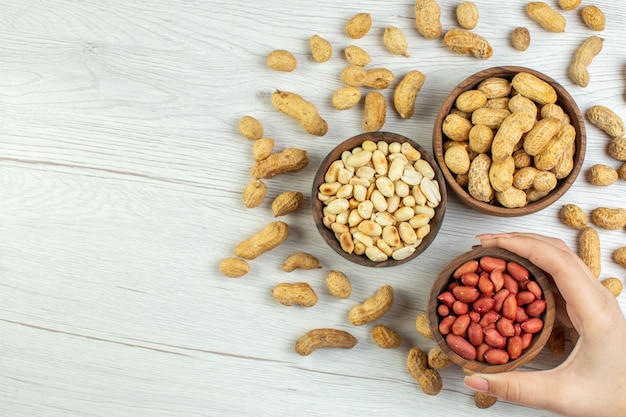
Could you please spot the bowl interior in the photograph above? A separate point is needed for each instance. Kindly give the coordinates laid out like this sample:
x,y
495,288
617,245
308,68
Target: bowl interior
x,y
564,100
539,340
317,206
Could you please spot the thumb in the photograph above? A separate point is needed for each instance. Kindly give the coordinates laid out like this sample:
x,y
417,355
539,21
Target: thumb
x,y
534,389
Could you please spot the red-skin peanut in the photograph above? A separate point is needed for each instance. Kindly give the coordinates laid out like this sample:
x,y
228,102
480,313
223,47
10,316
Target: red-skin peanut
x,y
514,347
520,315
523,285
517,271
447,298
510,284
489,317
445,325
474,316
494,339
480,352
536,308
485,285
496,357
443,310
499,298
509,307
489,263
518,329
453,284
459,327
469,266
535,289
532,325
475,334
497,278
483,304
527,338
466,294
461,347
459,307
489,326
505,327
470,279
525,297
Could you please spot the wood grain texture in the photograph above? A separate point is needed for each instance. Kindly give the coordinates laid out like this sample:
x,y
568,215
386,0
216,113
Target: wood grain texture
x,y
121,172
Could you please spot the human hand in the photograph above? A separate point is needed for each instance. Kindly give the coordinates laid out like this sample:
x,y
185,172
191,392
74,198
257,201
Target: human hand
x,y
592,380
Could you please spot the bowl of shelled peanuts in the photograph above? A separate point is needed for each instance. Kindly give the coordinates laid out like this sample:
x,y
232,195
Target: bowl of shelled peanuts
x,y
491,310
378,199
509,141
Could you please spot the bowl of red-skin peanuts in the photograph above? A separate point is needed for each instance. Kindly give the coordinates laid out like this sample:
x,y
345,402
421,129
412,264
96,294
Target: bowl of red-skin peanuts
x,y
491,310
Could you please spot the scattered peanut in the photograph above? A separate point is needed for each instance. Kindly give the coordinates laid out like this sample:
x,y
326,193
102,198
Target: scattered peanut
x,y
303,111
569,4
359,25
375,111
346,97
262,148
357,76
406,92
617,148
287,202
621,172
589,249
373,308
520,38
301,260
620,256
578,71
234,267
423,326
609,218
546,16
614,285
467,15
289,160
324,338
574,216
534,88
602,175
607,120
339,284
250,128
593,17
263,241
254,193
357,56
427,18
461,41
428,378
385,337
483,400
321,49
282,60
395,41
298,293
437,359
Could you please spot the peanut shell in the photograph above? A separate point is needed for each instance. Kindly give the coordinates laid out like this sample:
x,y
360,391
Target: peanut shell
x,y
467,15
297,293
614,285
262,148
607,120
250,128
573,216
395,41
520,38
375,111
422,325
483,400
617,148
359,25
357,56
602,175
338,284
385,337
593,17
254,193
282,60
301,260
609,218
427,18
620,256
406,92
234,267
461,41
302,110
589,249
321,49
287,202
546,16
346,97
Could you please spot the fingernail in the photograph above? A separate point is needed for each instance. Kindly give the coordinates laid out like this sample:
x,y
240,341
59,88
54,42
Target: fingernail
x,y
476,383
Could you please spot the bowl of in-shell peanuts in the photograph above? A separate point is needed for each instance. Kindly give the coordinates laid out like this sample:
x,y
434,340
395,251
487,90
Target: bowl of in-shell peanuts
x,y
509,140
378,199
491,310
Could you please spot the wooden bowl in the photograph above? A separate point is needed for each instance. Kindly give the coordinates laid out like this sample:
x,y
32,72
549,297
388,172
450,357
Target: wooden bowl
x,y
317,206
565,100
539,339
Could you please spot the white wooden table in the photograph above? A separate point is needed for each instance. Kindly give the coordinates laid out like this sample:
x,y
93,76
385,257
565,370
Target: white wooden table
x,y
121,172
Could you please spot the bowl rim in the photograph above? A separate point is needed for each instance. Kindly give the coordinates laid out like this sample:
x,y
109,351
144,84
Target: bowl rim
x,y
335,154
576,119
538,342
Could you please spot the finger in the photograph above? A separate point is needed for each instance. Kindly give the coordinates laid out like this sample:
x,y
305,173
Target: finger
x,y
574,280
534,389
